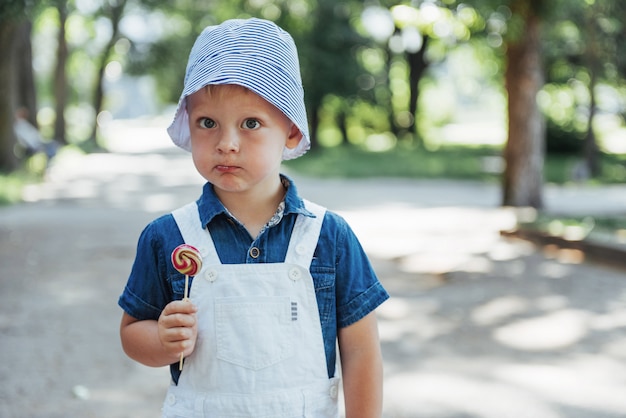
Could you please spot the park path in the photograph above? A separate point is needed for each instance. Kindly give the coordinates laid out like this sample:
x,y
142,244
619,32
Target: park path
x,y
477,326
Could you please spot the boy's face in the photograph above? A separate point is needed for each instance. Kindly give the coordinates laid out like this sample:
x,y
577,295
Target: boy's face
x,y
237,138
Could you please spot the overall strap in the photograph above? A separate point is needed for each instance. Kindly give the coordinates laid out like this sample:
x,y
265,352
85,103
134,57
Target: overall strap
x,y
305,235
188,221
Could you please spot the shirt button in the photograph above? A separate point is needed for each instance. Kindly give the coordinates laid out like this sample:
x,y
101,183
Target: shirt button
x,y
254,252
294,273
171,399
300,249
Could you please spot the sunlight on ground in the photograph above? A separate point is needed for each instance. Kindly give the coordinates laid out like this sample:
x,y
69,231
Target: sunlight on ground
x,y
499,309
130,170
549,332
435,240
587,381
447,394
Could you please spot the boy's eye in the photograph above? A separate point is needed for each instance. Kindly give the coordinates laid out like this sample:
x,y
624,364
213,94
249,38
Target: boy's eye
x,y
207,123
251,124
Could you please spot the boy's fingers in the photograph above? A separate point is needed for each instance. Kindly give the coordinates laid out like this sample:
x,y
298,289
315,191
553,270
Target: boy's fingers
x,y
180,306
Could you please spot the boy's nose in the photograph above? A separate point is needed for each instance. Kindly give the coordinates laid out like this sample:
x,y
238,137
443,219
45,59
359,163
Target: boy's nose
x,y
229,142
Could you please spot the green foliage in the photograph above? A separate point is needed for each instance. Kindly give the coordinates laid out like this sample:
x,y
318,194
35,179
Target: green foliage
x,y
10,188
563,139
358,86
15,10
31,171
561,169
584,50
608,230
329,40
144,59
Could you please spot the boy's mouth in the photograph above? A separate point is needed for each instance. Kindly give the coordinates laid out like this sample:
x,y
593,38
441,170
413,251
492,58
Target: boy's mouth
x,y
226,168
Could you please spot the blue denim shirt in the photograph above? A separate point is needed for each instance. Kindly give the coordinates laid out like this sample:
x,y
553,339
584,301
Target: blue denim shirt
x,y
346,286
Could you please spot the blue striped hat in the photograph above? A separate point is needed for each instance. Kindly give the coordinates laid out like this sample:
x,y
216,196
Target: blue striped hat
x,y
252,53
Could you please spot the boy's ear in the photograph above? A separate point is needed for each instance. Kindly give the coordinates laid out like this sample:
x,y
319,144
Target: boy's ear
x,y
294,137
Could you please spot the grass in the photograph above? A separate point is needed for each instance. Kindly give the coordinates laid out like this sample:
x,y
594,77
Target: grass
x,y
353,162
555,224
11,188
31,171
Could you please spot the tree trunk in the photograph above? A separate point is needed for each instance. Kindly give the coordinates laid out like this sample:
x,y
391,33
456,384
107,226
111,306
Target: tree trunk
x,y
386,98
343,125
593,58
26,95
524,152
8,160
60,77
117,11
591,151
417,67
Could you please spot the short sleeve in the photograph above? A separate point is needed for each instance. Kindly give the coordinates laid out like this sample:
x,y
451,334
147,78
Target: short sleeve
x,y
148,290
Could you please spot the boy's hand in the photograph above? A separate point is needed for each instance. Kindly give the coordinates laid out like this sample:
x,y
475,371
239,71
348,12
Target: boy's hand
x,y
178,328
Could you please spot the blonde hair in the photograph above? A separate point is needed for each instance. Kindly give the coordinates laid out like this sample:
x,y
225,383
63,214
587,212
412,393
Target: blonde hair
x,y
221,90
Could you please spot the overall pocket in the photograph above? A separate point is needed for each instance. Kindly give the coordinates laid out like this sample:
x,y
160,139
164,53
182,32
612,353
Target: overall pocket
x,y
254,332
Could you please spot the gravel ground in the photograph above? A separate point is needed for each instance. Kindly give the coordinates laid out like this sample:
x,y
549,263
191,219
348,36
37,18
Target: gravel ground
x,y
477,326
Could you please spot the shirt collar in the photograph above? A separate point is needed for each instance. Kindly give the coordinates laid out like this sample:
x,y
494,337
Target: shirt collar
x,y
210,206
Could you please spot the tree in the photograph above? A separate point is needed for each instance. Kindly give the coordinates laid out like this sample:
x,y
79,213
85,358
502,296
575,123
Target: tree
x,y
60,84
113,10
600,57
8,160
330,40
415,32
583,49
16,79
25,94
524,151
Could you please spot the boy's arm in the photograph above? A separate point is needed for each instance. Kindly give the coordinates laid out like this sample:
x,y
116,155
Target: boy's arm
x,y
362,368
159,343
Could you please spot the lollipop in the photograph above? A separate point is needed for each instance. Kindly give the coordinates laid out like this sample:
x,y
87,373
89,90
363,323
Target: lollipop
x,y
188,261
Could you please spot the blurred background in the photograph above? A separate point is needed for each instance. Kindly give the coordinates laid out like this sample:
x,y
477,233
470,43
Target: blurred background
x,y
440,128
517,91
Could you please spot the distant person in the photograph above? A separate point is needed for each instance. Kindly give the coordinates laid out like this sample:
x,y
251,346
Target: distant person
x,y
283,279
29,137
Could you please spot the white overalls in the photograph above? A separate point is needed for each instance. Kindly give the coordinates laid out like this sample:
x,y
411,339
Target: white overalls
x,y
260,350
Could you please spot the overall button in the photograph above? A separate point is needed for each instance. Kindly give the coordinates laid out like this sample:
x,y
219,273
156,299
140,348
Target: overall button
x,y
254,252
294,273
334,391
211,275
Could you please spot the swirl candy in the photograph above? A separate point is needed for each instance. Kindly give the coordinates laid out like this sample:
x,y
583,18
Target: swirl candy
x,y
187,260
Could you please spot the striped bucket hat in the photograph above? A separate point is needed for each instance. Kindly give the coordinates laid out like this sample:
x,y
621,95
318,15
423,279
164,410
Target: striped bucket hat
x,y
253,53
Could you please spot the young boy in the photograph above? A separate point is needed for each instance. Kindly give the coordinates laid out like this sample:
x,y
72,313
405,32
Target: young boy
x,y
282,279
